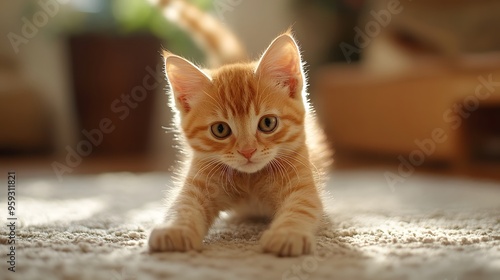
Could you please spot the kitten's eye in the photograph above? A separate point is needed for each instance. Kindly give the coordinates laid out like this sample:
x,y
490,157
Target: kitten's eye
x,y
268,124
220,130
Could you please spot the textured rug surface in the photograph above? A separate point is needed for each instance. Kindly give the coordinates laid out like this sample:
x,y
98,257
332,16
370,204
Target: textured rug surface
x,y
95,227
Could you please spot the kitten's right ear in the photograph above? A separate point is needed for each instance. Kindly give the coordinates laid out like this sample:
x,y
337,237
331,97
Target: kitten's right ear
x,y
282,63
186,81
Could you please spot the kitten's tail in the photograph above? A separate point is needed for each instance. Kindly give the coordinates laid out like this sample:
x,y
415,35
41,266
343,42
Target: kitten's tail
x,y
220,44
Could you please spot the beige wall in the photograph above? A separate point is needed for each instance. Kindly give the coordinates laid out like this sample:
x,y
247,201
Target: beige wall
x,y
258,26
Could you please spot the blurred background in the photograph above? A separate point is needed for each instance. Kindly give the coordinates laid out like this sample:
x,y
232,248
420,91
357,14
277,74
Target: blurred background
x,y
403,85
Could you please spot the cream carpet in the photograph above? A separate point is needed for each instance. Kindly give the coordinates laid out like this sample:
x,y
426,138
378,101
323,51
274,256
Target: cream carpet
x,y
95,227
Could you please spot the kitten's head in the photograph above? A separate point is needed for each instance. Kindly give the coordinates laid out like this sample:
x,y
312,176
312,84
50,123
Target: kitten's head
x,y
242,115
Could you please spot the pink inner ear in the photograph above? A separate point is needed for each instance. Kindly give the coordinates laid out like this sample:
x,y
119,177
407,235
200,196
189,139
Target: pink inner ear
x,y
291,70
291,83
183,101
182,96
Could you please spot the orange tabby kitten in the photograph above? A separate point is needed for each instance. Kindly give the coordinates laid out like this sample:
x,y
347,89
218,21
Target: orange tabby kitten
x,y
254,147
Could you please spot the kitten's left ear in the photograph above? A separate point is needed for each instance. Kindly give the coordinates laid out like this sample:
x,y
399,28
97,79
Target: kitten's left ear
x,y
186,81
281,62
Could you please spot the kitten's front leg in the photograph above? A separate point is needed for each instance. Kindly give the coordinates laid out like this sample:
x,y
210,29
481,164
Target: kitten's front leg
x,y
187,222
292,232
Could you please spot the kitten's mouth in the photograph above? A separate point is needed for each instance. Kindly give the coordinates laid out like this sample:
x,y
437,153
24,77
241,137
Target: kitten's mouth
x,y
249,163
251,166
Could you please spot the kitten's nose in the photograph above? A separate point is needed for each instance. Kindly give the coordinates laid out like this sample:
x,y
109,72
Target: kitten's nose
x,y
247,152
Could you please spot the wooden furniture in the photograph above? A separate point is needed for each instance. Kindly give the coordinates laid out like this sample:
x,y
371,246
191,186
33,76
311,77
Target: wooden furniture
x,y
111,78
400,115
25,117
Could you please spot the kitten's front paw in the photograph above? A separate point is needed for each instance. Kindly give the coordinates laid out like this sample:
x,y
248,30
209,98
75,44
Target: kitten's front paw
x,y
287,243
174,238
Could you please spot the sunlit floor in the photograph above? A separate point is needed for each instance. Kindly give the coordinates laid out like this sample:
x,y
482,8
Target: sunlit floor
x,y
95,227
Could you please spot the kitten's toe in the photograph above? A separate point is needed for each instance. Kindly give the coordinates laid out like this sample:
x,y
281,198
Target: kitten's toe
x,y
167,238
287,243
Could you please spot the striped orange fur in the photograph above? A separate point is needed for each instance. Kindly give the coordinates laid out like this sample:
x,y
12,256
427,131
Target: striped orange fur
x,y
216,39
253,147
